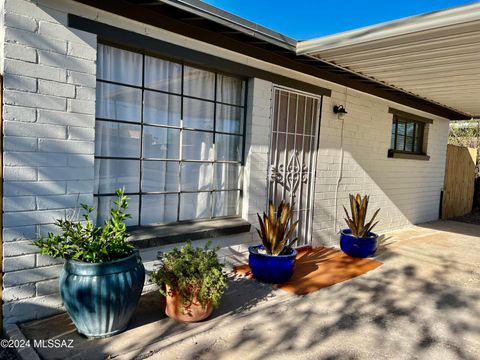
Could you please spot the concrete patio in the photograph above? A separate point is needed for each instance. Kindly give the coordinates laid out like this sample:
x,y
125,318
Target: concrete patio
x,y
424,303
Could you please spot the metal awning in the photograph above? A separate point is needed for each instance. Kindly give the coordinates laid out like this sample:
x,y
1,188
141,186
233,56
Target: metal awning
x,y
435,56
378,45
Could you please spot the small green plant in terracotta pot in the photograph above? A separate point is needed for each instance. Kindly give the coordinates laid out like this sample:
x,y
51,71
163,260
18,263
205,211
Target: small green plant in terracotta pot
x,y
103,275
192,281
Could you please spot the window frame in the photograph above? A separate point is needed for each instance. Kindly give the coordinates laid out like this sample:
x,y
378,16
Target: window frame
x,y
406,117
418,125
214,132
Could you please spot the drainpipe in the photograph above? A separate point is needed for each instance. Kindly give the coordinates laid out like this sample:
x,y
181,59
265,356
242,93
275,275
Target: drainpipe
x,y
340,174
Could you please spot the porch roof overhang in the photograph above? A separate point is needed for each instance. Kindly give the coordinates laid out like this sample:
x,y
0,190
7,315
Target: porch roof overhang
x,y
200,21
435,56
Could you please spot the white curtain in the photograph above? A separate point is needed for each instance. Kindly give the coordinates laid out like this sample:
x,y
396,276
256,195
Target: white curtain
x,y
198,83
161,109
119,65
194,170
163,75
230,90
117,139
118,102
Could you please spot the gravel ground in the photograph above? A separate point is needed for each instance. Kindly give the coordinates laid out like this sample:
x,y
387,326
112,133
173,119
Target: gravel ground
x,y
472,218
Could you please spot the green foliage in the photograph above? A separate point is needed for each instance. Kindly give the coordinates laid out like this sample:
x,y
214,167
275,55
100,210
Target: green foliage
x,y
82,241
275,230
464,133
191,272
356,223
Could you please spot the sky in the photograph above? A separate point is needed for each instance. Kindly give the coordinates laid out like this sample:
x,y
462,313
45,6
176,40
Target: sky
x,y
306,19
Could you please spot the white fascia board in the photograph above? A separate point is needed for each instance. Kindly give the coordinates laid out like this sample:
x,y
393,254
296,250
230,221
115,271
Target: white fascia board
x,y
233,21
409,25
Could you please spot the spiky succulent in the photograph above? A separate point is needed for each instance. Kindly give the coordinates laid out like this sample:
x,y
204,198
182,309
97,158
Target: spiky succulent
x,y
275,231
357,222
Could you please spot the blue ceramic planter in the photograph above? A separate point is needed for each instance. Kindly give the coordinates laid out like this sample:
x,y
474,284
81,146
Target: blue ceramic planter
x,y
358,247
273,269
101,298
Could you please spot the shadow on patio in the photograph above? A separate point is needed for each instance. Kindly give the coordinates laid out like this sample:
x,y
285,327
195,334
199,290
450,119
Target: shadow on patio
x,y
423,303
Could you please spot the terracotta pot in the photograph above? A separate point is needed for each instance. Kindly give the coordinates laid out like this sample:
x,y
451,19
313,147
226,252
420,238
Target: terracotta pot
x,y
185,313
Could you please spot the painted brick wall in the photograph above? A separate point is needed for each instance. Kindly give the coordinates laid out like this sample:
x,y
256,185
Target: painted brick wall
x,y
407,191
257,145
49,105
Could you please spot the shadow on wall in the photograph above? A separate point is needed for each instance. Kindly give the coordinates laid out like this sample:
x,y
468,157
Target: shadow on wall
x,y
26,273
61,166
48,113
407,191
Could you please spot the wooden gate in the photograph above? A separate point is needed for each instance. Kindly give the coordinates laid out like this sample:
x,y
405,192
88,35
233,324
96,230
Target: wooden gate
x,y
459,181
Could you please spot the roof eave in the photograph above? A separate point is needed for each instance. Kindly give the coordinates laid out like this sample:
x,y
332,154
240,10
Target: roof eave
x,y
235,22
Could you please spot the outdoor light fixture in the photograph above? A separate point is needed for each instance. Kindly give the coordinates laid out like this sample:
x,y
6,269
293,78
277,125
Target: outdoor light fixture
x,y
340,111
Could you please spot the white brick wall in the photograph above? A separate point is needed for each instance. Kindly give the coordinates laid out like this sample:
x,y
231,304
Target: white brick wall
x,y
257,145
49,105
407,191
48,112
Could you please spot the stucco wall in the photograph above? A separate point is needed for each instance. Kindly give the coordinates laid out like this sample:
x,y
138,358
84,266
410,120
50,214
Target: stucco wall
x,y
49,106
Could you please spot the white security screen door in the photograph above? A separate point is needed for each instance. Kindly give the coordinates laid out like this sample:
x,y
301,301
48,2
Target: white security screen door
x,y
291,173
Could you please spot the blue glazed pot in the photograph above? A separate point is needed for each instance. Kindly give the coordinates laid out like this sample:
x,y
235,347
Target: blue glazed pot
x,y
358,247
101,297
273,269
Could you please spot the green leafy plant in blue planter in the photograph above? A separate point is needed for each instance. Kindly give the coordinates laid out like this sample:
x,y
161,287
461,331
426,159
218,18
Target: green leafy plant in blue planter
x,y
359,240
274,260
103,275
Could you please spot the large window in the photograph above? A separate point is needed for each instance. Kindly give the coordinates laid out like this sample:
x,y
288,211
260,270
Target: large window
x,y
170,134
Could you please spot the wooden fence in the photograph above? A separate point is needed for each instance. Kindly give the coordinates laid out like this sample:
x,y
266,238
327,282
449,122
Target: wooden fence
x,y
459,181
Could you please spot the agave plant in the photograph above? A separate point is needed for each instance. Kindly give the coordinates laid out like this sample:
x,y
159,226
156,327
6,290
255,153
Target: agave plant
x,y
357,223
275,231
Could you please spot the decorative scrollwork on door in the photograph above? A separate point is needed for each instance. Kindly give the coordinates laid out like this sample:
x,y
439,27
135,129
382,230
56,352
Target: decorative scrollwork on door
x,y
276,174
291,176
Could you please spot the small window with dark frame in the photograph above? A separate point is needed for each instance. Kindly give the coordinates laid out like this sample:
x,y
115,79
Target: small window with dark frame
x,y
407,136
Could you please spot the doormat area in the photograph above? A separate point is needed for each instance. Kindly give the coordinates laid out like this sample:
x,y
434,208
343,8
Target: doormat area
x,y
318,268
